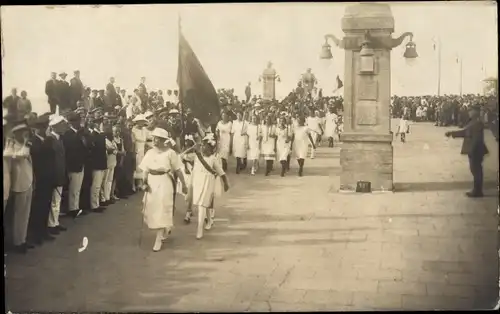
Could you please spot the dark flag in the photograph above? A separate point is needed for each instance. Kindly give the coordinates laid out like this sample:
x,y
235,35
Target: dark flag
x,y
196,91
339,83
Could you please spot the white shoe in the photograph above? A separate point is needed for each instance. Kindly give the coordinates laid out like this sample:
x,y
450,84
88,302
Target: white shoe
x,y
209,223
158,242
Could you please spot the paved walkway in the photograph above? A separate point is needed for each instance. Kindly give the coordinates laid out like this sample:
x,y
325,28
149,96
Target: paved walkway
x,y
289,244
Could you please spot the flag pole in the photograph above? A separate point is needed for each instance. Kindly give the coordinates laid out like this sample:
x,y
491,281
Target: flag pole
x,y
181,100
439,67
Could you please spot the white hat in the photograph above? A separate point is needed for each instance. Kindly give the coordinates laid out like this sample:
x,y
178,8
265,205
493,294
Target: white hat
x,y
148,114
56,119
139,117
173,111
19,127
159,132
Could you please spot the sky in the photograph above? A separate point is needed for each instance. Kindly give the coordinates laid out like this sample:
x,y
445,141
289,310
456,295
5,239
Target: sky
x,y
234,42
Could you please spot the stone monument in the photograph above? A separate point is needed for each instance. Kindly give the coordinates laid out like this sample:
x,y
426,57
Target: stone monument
x,y
308,82
269,78
367,152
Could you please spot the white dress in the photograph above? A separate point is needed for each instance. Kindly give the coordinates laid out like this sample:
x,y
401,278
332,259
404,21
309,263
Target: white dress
x,y
159,202
240,140
403,126
268,142
203,183
254,131
330,125
282,147
224,142
140,137
301,141
313,123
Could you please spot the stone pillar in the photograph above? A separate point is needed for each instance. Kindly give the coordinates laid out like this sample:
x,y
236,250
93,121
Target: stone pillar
x,y
269,83
367,152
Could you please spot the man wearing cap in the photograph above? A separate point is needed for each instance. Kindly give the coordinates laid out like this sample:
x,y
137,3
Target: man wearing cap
x,y
21,183
76,89
98,163
51,91
63,93
76,151
57,128
473,146
42,156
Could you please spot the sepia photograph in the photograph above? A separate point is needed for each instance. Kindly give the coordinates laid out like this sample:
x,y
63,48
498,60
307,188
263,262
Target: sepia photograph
x,y
251,157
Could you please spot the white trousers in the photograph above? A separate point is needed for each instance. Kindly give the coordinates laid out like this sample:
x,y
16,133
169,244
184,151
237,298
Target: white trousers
x,y
22,208
55,207
95,189
107,183
74,188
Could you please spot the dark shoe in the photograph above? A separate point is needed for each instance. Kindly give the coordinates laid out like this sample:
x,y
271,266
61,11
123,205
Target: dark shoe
x,y
75,213
48,237
103,204
53,230
29,245
61,228
111,202
85,212
300,172
38,242
474,194
20,249
99,210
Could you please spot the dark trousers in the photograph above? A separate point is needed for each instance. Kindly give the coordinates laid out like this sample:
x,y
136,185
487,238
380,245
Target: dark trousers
x,y
476,168
85,190
128,171
40,209
120,182
53,106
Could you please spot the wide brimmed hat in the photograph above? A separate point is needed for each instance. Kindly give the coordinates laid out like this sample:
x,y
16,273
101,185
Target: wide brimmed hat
x,y
173,111
159,132
63,74
56,119
148,114
140,118
19,125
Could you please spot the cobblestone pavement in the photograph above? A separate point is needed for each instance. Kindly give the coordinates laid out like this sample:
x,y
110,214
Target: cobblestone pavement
x,y
288,243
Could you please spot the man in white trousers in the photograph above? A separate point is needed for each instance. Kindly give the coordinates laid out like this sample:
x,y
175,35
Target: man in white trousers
x,y
313,122
76,151
58,127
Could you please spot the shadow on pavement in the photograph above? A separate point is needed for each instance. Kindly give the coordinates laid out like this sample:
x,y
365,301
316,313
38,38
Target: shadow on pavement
x,y
438,186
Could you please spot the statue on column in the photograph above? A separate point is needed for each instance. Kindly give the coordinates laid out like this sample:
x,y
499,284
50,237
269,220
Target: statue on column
x,y
269,85
308,82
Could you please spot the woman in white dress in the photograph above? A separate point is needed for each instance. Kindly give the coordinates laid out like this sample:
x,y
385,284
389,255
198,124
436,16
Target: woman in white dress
x,y
223,132
313,122
159,165
206,171
301,140
403,128
269,144
283,135
331,126
239,142
254,132
139,137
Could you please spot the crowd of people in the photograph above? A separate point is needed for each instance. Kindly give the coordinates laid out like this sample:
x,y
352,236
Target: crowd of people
x,y
97,147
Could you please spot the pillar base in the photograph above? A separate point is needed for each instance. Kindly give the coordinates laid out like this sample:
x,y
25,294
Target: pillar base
x,y
366,157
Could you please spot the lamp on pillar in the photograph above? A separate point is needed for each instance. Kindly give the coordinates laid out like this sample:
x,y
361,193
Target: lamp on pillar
x,y
411,52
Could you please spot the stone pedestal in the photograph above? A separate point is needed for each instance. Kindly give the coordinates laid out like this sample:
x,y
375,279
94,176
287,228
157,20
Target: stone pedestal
x,y
269,83
367,152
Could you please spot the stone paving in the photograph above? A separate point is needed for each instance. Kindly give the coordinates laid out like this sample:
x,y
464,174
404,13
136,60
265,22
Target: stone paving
x,y
289,244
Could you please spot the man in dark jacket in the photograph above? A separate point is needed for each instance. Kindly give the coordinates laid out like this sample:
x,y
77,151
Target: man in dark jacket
x,y
58,127
43,159
51,91
98,163
474,147
77,90
76,151
63,93
10,103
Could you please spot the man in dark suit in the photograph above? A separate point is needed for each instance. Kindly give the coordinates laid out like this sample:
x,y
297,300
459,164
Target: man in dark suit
x,y
110,88
51,91
77,90
99,101
248,92
10,103
474,147
43,160
63,93
98,163
76,151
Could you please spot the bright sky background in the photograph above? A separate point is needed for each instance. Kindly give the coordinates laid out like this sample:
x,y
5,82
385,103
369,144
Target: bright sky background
x,y
234,42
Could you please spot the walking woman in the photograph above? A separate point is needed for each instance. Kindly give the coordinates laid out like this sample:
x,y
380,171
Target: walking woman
x,y
254,131
206,171
223,132
403,128
269,144
159,166
239,142
283,144
301,140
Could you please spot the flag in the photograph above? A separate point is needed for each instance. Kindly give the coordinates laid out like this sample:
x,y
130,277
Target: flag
x,y
196,91
339,83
